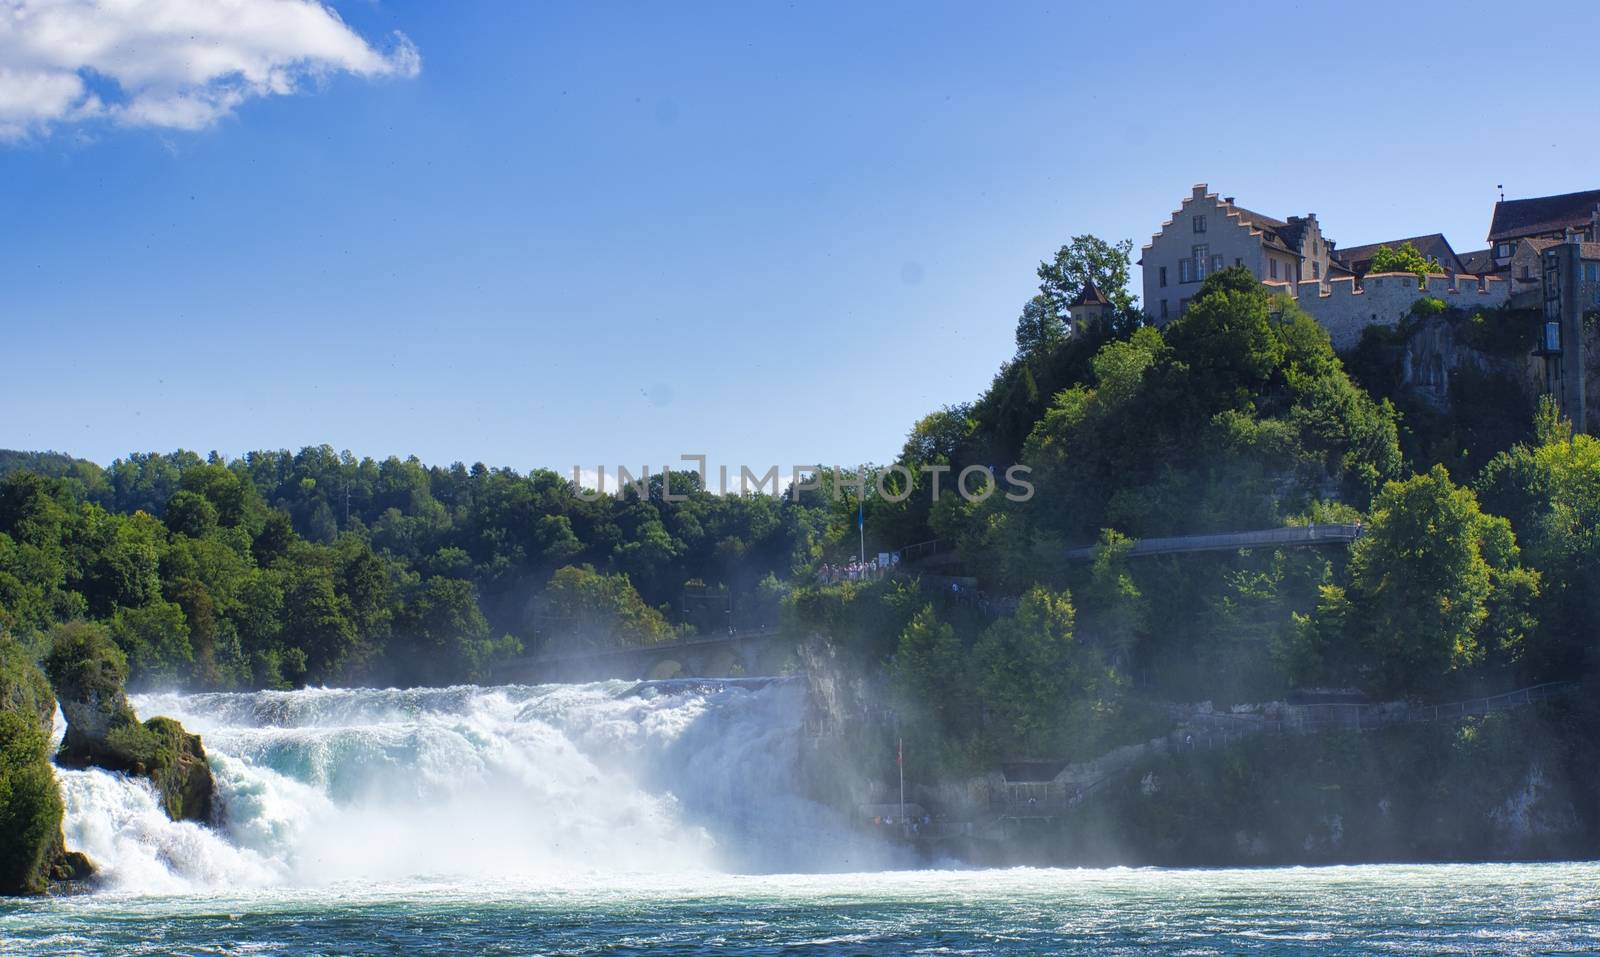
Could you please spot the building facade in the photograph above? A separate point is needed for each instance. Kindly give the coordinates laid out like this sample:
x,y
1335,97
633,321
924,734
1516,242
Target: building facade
x,y
1208,233
1336,286
1542,217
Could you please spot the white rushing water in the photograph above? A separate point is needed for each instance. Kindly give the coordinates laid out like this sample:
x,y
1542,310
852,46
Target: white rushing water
x,y
522,783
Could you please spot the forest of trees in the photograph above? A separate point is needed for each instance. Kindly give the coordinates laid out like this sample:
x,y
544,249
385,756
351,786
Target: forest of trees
x,y
1475,575
1478,571
279,569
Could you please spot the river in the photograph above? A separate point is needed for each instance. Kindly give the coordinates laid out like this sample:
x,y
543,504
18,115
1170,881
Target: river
x,y
592,819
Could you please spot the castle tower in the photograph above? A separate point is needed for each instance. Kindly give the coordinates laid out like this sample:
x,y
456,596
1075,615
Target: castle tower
x,y
1089,309
1561,340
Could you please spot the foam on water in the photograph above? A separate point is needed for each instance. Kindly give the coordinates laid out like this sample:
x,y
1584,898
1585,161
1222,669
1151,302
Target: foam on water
x,y
530,784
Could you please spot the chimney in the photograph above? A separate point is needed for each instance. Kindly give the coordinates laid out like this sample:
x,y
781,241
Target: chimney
x,y
1228,200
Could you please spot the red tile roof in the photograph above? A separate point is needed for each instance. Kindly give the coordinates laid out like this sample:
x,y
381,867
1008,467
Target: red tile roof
x,y
1542,214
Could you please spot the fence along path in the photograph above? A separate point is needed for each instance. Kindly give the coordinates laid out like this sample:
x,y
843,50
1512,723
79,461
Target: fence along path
x,y
1314,718
1294,536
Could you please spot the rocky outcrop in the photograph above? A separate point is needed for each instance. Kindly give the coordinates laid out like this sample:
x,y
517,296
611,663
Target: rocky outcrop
x,y
175,762
33,853
88,672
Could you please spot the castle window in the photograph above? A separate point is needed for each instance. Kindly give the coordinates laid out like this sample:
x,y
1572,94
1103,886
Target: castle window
x,y
1163,279
1199,224
1316,270
1163,309
1504,250
1272,266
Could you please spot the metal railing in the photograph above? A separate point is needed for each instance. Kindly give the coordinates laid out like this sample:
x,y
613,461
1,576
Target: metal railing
x,y
1293,536
920,550
1223,727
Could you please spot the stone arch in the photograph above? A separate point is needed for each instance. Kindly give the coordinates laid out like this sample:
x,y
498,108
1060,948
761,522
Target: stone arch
x,y
666,668
724,663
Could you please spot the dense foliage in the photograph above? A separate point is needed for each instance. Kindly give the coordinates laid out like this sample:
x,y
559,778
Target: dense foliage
x,y
30,807
276,570
1404,258
1477,570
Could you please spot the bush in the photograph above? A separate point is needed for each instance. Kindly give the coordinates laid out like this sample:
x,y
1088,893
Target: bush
x,y
30,806
88,672
23,687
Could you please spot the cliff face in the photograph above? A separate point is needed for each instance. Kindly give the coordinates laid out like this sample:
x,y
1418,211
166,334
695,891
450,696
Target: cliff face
x,y
33,853
1509,786
88,672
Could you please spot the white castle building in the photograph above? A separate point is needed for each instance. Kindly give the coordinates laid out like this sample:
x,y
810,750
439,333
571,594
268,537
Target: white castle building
x,y
1208,233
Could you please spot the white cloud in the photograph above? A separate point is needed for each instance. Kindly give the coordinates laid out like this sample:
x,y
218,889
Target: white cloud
x,y
179,64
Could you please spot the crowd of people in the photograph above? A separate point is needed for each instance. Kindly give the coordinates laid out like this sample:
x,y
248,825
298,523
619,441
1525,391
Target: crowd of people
x,y
856,571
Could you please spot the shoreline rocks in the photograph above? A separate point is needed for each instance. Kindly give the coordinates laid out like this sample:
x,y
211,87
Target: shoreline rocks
x,y
88,672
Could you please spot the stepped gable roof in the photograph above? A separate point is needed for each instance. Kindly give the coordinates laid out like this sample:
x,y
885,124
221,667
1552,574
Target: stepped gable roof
x,y
1090,295
1277,233
1514,218
1293,233
1358,259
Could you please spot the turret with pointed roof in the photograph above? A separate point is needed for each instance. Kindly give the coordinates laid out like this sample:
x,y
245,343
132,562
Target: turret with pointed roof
x,y
1090,307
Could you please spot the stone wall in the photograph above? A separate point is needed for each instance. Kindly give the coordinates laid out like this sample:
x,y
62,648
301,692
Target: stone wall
x,y
1345,306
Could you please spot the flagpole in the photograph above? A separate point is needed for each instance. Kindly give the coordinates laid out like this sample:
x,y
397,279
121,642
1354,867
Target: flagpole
x,y
861,524
900,761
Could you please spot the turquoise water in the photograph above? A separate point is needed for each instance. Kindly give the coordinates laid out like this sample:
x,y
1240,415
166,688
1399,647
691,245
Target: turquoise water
x,y
610,819
1452,909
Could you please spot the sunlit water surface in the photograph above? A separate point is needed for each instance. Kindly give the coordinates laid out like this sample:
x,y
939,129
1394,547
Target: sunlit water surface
x,y
1451,909
607,819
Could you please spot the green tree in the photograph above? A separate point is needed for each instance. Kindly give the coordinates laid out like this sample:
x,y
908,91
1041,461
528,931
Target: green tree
x,y
443,636
1040,328
1550,492
30,804
929,669
1045,694
1407,258
316,623
274,539
23,687
155,638
189,513
200,615
1083,259
1434,586
1112,601
586,609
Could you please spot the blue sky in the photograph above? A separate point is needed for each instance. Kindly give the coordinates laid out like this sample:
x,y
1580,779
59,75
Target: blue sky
x,y
613,233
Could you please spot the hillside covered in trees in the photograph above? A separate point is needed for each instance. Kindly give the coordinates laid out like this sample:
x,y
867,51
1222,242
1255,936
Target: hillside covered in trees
x,y
277,569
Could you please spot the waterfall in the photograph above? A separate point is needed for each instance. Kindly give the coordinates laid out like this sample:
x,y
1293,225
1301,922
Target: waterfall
x,y
521,783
